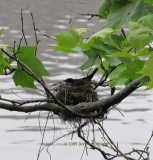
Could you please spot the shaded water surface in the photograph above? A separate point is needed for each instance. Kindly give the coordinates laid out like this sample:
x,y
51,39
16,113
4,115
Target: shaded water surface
x,y
20,135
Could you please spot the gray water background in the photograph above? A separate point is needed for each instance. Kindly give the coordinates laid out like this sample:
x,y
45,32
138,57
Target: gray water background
x,y
21,138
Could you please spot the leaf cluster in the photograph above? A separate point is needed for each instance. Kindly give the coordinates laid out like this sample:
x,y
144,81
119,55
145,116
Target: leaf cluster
x,y
120,59
13,62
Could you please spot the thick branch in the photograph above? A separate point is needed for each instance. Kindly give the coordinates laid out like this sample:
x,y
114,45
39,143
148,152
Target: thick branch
x,y
32,108
103,104
106,103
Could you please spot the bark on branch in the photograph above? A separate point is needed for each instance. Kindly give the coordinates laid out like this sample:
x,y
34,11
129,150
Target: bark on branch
x,y
81,108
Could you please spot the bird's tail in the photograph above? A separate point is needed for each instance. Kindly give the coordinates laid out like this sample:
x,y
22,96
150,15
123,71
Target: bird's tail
x,y
89,77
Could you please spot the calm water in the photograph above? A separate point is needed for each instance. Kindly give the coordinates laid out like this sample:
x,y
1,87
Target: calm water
x,y
20,138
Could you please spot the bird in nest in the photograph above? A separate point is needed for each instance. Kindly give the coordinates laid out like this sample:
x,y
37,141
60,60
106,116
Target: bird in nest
x,y
81,81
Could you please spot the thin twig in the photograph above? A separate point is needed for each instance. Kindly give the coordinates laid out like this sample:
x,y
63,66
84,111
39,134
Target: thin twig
x,y
92,15
27,117
11,70
123,33
34,27
39,123
104,76
70,21
48,153
105,155
146,145
43,136
45,35
23,28
8,100
117,149
57,139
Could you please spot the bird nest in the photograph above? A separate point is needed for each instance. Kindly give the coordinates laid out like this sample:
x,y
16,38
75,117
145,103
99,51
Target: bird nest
x,y
74,93
71,94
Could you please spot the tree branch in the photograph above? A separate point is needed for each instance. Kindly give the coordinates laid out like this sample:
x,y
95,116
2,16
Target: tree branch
x,y
82,108
106,103
93,15
23,34
105,155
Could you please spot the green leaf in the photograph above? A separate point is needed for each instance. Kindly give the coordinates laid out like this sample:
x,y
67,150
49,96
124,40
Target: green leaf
x,y
114,41
67,40
3,61
118,13
64,49
119,76
1,69
115,61
81,30
123,10
125,73
141,9
122,53
89,63
10,50
21,78
104,33
92,56
137,64
28,58
141,32
149,1
121,81
143,52
145,81
1,31
133,0
109,45
120,70
104,8
104,42
147,70
26,55
103,48
106,46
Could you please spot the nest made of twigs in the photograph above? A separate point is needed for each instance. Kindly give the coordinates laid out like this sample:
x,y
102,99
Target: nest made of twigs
x,y
72,94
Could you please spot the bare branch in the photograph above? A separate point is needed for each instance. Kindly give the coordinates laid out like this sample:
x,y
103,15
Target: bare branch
x,y
23,28
105,155
42,141
93,15
45,35
34,27
8,71
146,145
110,140
82,109
123,33
11,101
